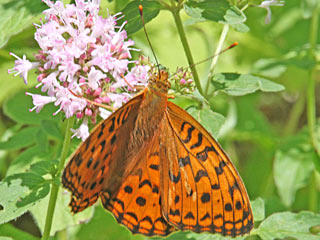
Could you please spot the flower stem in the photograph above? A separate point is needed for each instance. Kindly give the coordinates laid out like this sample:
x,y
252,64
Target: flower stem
x,y
215,59
311,102
54,186
176,15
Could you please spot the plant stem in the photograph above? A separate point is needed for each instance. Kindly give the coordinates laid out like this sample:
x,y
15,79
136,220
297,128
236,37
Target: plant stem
x,y
54,186
215,59
294,115
311,105
311,102
176,15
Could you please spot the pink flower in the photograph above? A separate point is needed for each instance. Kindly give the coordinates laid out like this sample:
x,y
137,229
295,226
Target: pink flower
x,y
39,101
183,81
49,84
82,56
94,78
119,99
68,102
83,131
22,66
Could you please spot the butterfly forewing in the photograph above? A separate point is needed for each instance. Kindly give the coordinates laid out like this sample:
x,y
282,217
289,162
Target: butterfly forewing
x,y
90,169
205,192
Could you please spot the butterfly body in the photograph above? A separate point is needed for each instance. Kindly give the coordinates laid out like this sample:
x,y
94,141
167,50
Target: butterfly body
x,y
157,170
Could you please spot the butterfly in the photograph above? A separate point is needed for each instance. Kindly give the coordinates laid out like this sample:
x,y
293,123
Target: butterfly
x,y
157,170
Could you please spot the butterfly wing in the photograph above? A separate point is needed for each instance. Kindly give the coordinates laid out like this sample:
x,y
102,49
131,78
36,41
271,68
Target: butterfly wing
x,y
90,168
137,203
202,190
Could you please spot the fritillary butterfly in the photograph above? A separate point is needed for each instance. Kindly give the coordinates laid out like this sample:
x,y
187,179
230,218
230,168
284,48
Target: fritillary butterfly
x,y
158,170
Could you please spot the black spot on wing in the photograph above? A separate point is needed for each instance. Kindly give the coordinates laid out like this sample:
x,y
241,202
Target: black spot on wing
x,y
228,207
189,215
198,143
103,143
206,216
201,173
205,197
145,182
96,165
132,215
111,128
232,188
174,178
141,201
154,166
215,186
184,161
203,155
113,139
219,170
128,189
174,213
89,162
238,205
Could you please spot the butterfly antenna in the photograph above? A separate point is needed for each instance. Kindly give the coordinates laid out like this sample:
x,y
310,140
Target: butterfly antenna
x,y
217,54
145,31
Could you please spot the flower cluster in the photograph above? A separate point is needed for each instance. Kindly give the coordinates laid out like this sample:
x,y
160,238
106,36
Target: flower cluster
x,y
83,62
183,81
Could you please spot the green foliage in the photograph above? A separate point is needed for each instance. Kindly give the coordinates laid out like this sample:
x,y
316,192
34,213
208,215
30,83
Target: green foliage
x,y
254,100
16,16
236,84
288,224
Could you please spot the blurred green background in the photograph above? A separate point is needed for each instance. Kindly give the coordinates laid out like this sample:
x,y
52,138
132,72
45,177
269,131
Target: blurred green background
x,y
265,134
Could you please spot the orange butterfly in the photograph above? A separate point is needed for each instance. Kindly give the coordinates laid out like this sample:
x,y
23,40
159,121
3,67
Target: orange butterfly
x,y
158,170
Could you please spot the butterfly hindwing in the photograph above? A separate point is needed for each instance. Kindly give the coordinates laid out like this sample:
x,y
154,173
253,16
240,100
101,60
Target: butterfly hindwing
x,y
137,203
205,192
90,168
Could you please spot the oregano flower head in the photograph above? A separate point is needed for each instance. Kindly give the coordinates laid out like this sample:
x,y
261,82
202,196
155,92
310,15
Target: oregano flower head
x,y
82,56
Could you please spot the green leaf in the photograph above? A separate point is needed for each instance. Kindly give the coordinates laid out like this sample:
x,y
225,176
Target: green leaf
x,y
31,180
217,11
241,84
17,108
38,187
52,128
11,195
103,222
6,238
240,27
16,16
292,169
234,16
205,236
42,140
16,234
211,10
42,168
25,137
288,224
184,101
131,12
269,68
258,209
62,216
211,121
23,161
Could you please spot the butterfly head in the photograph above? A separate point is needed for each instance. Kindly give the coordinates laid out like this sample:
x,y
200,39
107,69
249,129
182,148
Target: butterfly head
x,y
159,83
